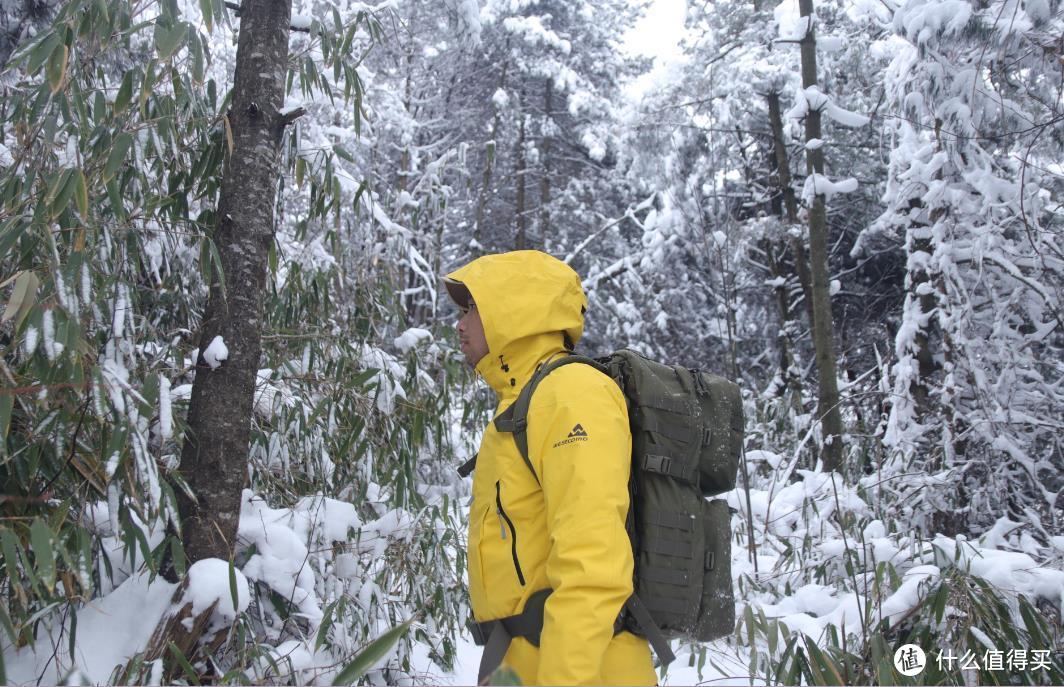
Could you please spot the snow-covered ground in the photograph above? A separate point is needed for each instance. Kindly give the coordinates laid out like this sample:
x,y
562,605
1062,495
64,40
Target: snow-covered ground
x,y
801,515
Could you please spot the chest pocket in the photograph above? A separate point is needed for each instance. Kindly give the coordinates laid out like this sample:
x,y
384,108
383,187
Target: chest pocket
x,y
506,525
512,538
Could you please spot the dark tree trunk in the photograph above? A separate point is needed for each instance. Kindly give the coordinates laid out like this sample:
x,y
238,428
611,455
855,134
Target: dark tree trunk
x,y
790,203
544,179
823,326
521,238
489,169
215,453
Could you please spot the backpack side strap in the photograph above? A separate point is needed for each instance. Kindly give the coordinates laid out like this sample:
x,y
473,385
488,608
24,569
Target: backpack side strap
x,y
497,635
650,629
466,468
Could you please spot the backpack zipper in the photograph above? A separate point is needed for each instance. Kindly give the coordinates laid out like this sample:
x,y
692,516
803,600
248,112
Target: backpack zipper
x,y
513,531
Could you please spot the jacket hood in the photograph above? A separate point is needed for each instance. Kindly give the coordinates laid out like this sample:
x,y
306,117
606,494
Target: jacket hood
x,y
529,303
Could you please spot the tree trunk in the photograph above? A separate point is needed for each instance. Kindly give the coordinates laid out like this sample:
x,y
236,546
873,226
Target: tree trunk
x,y
920,242
489,168
544,179
521,238
823,327
790,203
215,453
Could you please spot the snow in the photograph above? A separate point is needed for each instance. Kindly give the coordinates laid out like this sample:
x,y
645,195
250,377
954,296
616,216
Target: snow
x,y
29,341
596,150
920,22
181,392
812,98
791,25
410,339
216,352
301,21
830,44
532,30
166,416
110,630
500,99
209,583
818,184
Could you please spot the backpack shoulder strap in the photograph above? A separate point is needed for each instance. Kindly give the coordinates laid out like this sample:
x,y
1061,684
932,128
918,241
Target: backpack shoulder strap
x,y
514,419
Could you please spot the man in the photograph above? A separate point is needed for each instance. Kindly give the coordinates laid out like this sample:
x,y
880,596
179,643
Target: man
x,y
557,523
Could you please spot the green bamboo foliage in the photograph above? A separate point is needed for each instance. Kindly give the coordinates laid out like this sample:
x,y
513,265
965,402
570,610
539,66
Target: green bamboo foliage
x,y
114,137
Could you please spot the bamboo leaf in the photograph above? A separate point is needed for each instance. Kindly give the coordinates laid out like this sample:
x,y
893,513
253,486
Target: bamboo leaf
x,y
9,627
42,52
146,86
228,134
232,585
826,670
81,194
12,232
7,404
125,92
169,41
10,546
208,15
64,193
22,298
198,61
44,556
326,623
374,652
190,672
364,376
119,150
56,69
343,154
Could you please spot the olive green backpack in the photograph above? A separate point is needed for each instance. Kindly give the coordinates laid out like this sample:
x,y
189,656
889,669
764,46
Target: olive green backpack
x,y
687,434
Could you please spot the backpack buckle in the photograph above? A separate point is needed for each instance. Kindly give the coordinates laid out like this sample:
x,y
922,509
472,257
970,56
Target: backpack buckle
x,y
656,463
480,631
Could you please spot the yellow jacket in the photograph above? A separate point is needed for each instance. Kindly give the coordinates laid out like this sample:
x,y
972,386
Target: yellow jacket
x,y
567,532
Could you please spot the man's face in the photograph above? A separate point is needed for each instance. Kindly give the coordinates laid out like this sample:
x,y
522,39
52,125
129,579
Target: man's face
x,y
471,335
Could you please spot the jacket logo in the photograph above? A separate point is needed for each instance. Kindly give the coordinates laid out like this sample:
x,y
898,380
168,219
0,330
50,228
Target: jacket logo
x,y
578,434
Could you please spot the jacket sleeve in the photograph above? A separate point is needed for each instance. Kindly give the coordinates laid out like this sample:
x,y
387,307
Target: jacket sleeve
x,y
580,442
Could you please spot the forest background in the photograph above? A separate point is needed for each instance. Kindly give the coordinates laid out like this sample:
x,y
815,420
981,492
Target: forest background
x,y
221,232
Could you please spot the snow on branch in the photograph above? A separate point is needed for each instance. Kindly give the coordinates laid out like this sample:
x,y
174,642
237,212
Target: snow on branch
x,y
820,185
812,98
533,31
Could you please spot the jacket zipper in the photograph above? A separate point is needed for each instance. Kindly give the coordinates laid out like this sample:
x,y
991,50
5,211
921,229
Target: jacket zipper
x,y
513,531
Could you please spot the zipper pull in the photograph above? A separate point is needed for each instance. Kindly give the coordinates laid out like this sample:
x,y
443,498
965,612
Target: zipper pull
x,y
502,525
